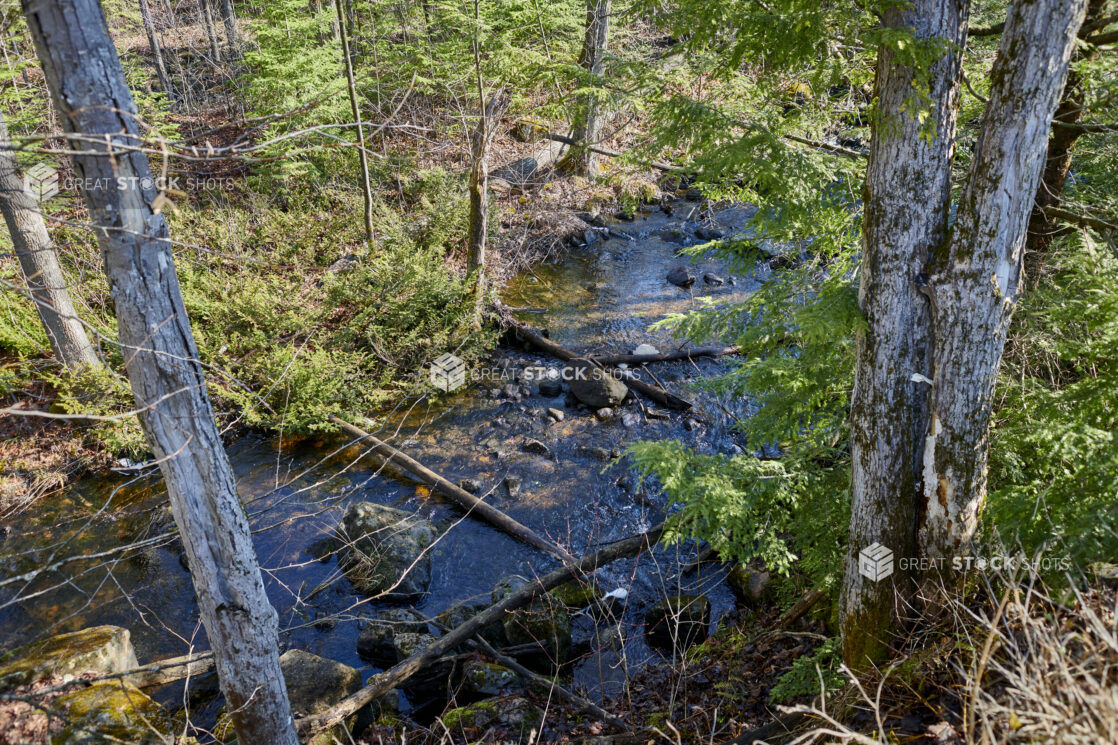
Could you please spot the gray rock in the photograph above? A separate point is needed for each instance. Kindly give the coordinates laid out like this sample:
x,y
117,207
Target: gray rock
x,y
681,276
385,546
487,679
593,386
678,622
630,419
512,485
314,683
604,414
708,234
751,586
473,486
534,446
556,414
713,280
376,642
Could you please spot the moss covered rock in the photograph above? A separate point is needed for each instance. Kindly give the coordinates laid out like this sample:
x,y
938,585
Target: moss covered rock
x,y
384,550
111,711
514,712
101,649
545,622
459,613
487,679
751,586
578,594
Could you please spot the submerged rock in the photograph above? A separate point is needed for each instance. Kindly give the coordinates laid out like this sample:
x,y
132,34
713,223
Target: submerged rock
x,y
678,622
384,550
550,388
111,711
532,445
100,649
594,386
376,643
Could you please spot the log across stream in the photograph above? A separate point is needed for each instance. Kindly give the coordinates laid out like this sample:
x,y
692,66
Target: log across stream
x,y
574,492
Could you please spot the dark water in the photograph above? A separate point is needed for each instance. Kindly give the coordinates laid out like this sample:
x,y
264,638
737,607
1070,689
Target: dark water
x,y
598,299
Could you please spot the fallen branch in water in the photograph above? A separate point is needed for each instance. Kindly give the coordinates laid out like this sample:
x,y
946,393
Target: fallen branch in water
x,y
657,394
381,683
467,501
682,354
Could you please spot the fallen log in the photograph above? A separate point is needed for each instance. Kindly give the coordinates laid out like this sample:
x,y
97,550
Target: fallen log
x,y
657,164
682,354
381,683
467,501
657,394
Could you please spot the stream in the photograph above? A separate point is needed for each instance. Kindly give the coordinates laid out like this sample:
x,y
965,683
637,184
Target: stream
x,y
599,298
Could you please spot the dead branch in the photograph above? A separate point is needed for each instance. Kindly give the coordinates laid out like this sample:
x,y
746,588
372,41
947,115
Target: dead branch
x,y
463,498
382,683
683,354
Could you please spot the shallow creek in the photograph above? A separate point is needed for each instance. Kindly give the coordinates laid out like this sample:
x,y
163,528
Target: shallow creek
x,y
600,298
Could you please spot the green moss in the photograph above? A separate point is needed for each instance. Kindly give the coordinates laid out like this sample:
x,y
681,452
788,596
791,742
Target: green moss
x,y
107,710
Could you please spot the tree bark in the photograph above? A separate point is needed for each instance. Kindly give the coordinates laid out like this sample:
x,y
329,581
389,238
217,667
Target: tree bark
x,y
587,128
355,109
230,21
156,51
88,87
211,32
975,275
1061,142
39,263
907,198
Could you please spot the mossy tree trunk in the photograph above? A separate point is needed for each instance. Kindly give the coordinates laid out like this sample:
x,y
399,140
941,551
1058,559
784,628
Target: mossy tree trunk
x,y
89,91
39,264
907,196
975,276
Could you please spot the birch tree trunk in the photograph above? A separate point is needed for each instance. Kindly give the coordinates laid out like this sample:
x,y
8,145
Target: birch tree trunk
x,y
587,129
907,198
975,277
39,264
156,51
88,87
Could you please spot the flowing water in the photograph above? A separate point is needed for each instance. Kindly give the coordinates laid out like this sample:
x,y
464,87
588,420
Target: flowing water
x,y
600,298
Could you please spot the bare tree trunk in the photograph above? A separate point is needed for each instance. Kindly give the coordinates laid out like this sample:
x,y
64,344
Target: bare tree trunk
x,y
156,51
1061,143
211,31
907,197
367,189
88,87
587,128
975,276
230,21
39,263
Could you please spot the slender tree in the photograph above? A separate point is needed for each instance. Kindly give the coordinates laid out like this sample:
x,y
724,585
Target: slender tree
x,y
907,193
355,109
1057,163
587,128
211,31
93,101
156,50
229,18
39,264
975,275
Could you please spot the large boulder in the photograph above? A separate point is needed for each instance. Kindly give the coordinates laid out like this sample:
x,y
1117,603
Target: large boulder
x,y
384,550
677,622
594,386
487,679
111,711
100,649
